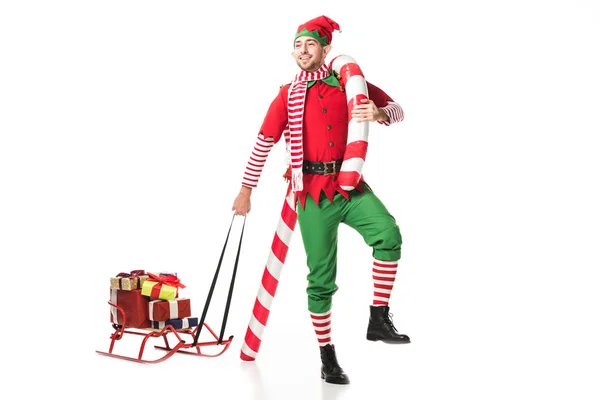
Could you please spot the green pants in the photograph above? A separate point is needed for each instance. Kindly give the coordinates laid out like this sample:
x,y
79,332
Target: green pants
x,y
319,224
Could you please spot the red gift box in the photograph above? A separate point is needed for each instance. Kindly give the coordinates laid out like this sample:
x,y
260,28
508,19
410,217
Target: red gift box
x,y
162,310
134,305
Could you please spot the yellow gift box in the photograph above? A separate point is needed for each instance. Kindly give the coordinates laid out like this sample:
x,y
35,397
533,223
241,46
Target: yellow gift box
x,y
161,287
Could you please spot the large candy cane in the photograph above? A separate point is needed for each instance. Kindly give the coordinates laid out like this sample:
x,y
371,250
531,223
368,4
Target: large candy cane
x,y
354,156
270,278
353,80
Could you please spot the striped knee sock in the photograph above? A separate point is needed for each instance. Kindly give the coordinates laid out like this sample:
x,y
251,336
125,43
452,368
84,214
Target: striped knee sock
x,y
322,325
384,275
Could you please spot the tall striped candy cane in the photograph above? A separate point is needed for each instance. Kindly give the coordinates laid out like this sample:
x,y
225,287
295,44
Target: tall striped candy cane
x,y
354,156
270,278
353,80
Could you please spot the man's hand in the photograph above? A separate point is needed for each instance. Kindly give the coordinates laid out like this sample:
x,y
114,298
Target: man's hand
x,y
241,204
368,111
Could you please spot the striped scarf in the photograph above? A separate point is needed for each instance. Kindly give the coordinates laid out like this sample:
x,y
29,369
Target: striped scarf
x,y
293,132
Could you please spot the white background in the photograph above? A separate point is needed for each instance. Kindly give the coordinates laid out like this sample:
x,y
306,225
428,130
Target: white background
x,y
125,128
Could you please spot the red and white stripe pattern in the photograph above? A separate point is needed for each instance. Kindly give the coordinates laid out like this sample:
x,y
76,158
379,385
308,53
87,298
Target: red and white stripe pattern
x,y
354,81
296,98
322,325
394,112
270,278
384,276
257,161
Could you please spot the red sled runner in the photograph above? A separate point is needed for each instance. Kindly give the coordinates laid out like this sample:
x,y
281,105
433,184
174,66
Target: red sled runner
x,y
173,332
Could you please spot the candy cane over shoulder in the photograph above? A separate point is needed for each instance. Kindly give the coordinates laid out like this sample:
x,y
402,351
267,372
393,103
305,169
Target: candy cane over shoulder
x,y
353,80
270,278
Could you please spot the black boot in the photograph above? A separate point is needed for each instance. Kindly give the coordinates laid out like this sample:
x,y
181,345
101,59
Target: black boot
x,y
331,370
382,328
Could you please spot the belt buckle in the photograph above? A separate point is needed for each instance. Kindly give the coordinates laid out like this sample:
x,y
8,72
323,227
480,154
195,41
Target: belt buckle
x,y
326,165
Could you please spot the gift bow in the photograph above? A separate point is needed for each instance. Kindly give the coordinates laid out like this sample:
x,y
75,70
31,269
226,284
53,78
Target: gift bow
x,y
133,274
169,280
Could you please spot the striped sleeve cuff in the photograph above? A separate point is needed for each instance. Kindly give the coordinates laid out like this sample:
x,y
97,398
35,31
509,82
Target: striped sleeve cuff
x,y
394,112
257,161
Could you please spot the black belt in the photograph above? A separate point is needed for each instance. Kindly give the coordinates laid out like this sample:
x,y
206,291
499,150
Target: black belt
x,y
322,168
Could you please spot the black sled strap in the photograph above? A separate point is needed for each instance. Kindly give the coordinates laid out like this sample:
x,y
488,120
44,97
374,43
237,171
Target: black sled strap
x,y
214,282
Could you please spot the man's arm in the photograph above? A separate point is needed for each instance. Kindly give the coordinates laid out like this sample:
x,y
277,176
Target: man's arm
x,y
394,113
258,158
241,204
270,133
379,108
368,111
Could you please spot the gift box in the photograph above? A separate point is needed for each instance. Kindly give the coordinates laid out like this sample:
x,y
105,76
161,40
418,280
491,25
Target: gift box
x,y
162,310
128,280
179,323
135,306
163,287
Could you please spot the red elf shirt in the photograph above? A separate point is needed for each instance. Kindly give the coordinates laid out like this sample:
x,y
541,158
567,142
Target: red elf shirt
x,y
325,130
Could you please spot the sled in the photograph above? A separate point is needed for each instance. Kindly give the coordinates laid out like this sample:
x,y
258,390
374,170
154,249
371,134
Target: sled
x,y
173,339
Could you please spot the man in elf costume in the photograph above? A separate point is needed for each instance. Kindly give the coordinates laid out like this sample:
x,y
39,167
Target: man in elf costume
x,y
312,114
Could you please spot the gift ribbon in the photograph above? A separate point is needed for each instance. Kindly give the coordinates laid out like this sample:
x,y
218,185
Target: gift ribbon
x,y
169,280
177,323
173,306
133,274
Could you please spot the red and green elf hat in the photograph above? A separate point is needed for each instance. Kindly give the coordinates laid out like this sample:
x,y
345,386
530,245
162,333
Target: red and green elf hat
x,y
320,28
